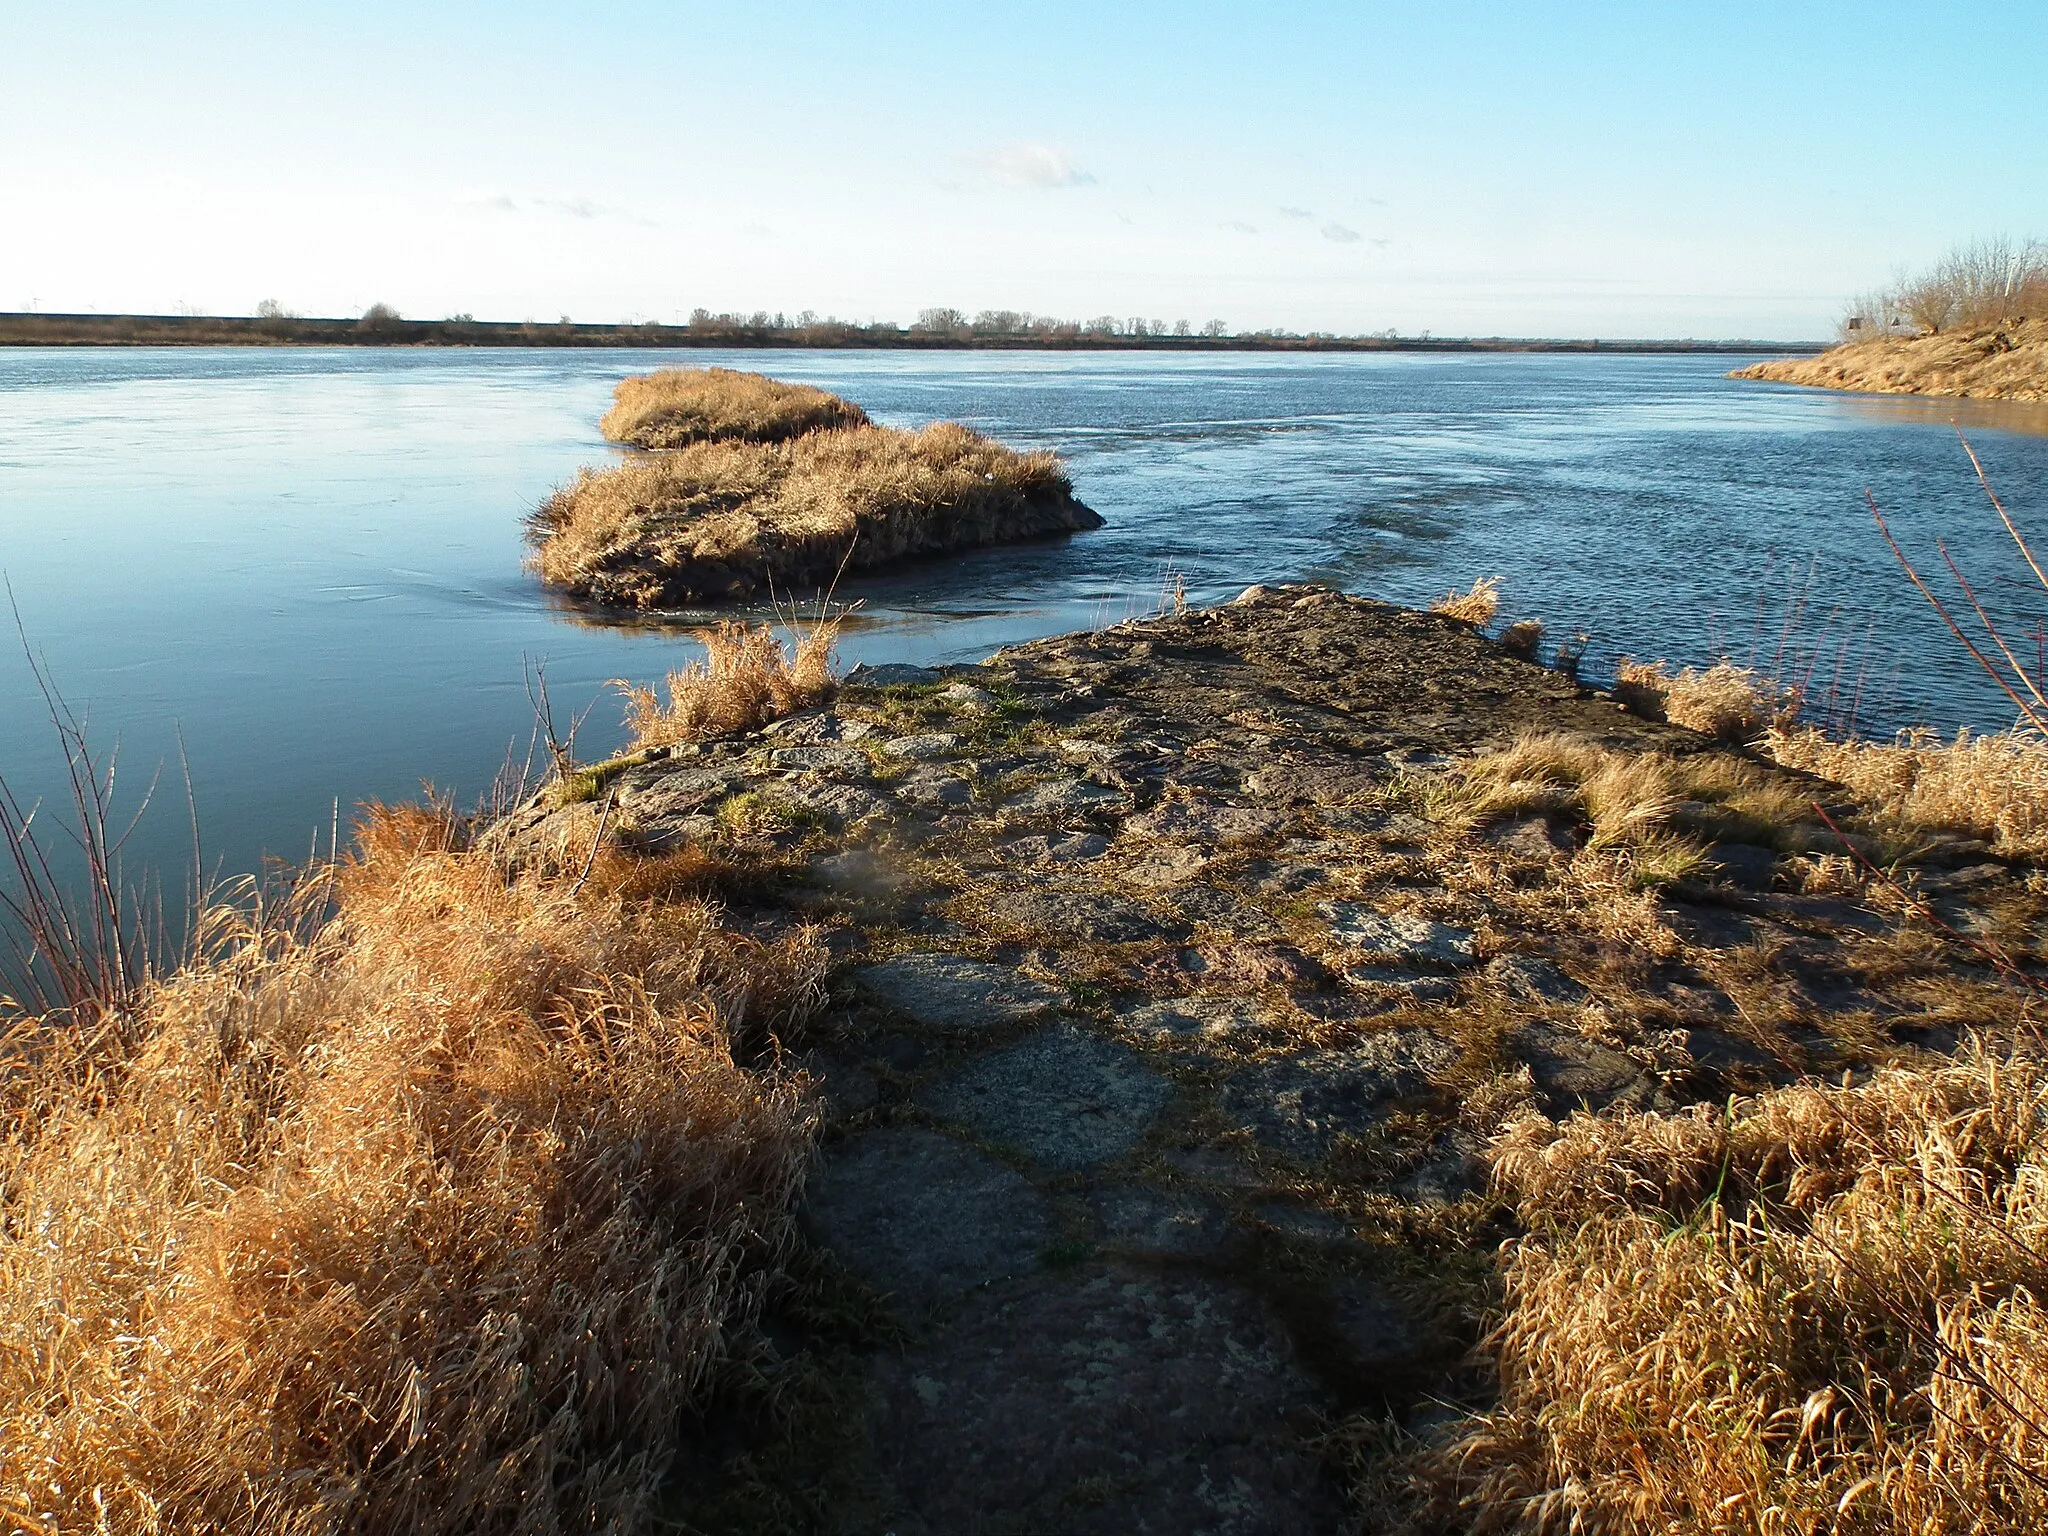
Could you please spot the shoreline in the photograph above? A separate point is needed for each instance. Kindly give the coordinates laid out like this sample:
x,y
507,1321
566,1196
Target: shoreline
x,y
1098,1073
40,330
2004,362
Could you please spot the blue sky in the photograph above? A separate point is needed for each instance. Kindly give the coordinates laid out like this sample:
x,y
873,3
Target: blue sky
x,y
1640,169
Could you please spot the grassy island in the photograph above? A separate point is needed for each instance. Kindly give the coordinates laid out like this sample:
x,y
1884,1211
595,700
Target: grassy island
x,y
679,406
764,485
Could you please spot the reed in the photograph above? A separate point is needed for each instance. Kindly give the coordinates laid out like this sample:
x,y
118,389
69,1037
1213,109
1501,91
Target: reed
x,y
1725,701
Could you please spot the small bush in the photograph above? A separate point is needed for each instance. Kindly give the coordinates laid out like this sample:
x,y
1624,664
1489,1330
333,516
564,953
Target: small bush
x,y
1522,638
1476,606
1989,786
1727,702
679,406
748,677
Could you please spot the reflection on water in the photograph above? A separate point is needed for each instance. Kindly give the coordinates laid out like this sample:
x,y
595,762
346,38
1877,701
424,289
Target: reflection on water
x,y
1971,416
310,560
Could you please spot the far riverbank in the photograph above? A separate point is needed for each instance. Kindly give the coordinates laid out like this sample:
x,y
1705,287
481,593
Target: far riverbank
x,y
36,330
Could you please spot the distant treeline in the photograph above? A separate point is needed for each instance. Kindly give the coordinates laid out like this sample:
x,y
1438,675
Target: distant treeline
x,y
381,325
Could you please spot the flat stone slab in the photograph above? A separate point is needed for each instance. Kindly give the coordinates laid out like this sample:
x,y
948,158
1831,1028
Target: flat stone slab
x,y
1056,848
1211,824
832,762
1388,985
1064,1097
923,1217
1066,797
1130,1404
1140,1219
1302,1103
923,748
935,790
1077,915
841,804
1533,979
1166,865
1403,936
955,992
1573,1072
1187,1018
894,674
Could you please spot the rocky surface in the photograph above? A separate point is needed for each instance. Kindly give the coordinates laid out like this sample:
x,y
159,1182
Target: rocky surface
x,y
1176,1002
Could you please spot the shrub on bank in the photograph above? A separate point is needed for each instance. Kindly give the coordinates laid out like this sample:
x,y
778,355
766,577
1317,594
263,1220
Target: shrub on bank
x,y
675,407
437,1217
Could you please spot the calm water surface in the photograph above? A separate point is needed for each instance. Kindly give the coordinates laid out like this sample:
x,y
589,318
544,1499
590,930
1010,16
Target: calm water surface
x,y
308,562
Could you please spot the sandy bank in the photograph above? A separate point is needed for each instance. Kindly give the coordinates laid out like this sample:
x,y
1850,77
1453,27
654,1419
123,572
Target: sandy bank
x,y
1992,363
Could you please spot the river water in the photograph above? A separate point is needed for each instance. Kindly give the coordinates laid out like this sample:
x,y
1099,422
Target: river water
x,y
306,563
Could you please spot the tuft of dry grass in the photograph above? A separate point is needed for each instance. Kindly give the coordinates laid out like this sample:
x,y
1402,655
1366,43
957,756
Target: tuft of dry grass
x,y
1820,1310
1475,606
435,1216
1647,801
1727,702
748,677
674,407
1989,786
722,520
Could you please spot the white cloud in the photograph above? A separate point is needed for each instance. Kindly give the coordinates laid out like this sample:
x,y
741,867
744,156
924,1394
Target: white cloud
x,y
1030,166
1296,213
567,207
1241,227
1341,235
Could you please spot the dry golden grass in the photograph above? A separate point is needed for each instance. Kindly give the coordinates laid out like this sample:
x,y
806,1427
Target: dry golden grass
x,y
674,407
1727,702
1994,362
438,1216
747,678
1656,805
1475,606
724,520
1817,1311
1992,786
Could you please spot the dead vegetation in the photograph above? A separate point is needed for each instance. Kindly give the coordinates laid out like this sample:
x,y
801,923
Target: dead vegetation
x,y
1818,1310
1993,787
674,407
749,676
1725,701
1665,808
723,520
1475,606
1975,324
440,1214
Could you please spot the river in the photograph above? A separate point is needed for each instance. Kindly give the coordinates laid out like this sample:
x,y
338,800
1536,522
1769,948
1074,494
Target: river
x,y
307,563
